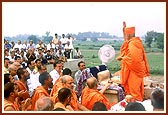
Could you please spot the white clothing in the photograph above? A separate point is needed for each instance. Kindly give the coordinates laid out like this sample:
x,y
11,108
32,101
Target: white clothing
x,y
25,46
35,80
63,40
54,75
78,54
70,43
30,82
19,46
50,46
32,46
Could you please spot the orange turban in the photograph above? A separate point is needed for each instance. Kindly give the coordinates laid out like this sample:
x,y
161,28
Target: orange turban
x,y
130,30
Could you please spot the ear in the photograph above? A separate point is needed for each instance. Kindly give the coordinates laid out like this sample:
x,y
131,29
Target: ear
x,y
12,94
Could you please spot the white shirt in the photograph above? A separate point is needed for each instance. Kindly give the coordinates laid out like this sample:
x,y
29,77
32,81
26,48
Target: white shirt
x,y
70,43
19,46
78,53
63,40
30,82
54,75
35,80
50,46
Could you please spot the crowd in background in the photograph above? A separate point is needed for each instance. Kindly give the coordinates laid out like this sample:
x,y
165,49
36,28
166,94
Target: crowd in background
x,y
28,86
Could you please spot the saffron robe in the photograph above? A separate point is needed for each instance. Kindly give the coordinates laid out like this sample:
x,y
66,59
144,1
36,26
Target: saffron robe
x,y
90,96
134,68
38,92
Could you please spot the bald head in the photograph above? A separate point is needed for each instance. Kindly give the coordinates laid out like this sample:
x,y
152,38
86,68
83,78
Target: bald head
x,y
12,66
92,82
66,78
12,70
44,104
68,81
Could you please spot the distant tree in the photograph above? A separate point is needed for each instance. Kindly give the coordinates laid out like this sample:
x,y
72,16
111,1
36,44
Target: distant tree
x,y
149,37
83,39
34,38
47,33
47,38
94,39
160,41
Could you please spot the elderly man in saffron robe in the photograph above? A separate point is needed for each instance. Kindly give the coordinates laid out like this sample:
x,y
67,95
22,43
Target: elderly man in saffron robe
x,y
134,65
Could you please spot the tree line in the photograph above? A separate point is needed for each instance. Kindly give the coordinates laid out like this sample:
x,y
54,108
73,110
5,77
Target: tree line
x,y
151,38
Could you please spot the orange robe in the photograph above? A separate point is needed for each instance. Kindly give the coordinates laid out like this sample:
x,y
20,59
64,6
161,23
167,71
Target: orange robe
x,y
22,86
60,105
74,100
57,85
90,96
133,68
10,104
38,92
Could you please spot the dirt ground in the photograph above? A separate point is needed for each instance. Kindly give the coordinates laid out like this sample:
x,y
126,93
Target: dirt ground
x,y
159,79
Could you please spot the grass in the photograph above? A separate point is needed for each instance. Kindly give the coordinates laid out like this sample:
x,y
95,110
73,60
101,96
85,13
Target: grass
x,y
90,52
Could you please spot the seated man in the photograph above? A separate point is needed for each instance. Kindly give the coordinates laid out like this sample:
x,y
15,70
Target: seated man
x,y
99,106
44,104
46,83
90,94
68,82
157,100
64,98
134,106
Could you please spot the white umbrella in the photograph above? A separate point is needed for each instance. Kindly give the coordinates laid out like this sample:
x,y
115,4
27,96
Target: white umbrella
x,y
106,53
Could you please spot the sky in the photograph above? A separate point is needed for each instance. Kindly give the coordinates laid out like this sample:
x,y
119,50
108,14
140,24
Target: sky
x,y
72,17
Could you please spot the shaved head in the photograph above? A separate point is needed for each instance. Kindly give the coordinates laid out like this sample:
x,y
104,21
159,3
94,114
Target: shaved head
x,y
92,82
68,81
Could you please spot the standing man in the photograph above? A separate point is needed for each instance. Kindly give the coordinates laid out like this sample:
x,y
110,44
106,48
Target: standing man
x,y
55,39
63,40
134,65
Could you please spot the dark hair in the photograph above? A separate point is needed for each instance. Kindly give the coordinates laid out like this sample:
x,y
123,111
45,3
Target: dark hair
x,y
20,72
8,88
99,106
80,63
67,71
57,62
6,78
29,62
17,57
43,76
6,59
157,98
134,106
37,60
63,94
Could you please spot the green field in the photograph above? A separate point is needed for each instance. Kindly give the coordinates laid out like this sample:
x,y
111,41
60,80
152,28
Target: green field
x,y
90,52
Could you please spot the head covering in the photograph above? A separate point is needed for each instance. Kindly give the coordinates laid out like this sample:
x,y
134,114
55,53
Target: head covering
x,y
124,24
130,30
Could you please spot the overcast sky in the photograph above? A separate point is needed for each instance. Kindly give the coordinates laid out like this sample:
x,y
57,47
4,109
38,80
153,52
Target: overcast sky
x,y
73,17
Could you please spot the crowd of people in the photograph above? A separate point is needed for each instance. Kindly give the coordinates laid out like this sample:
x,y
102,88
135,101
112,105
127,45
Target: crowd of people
x,y
58,48
28,86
